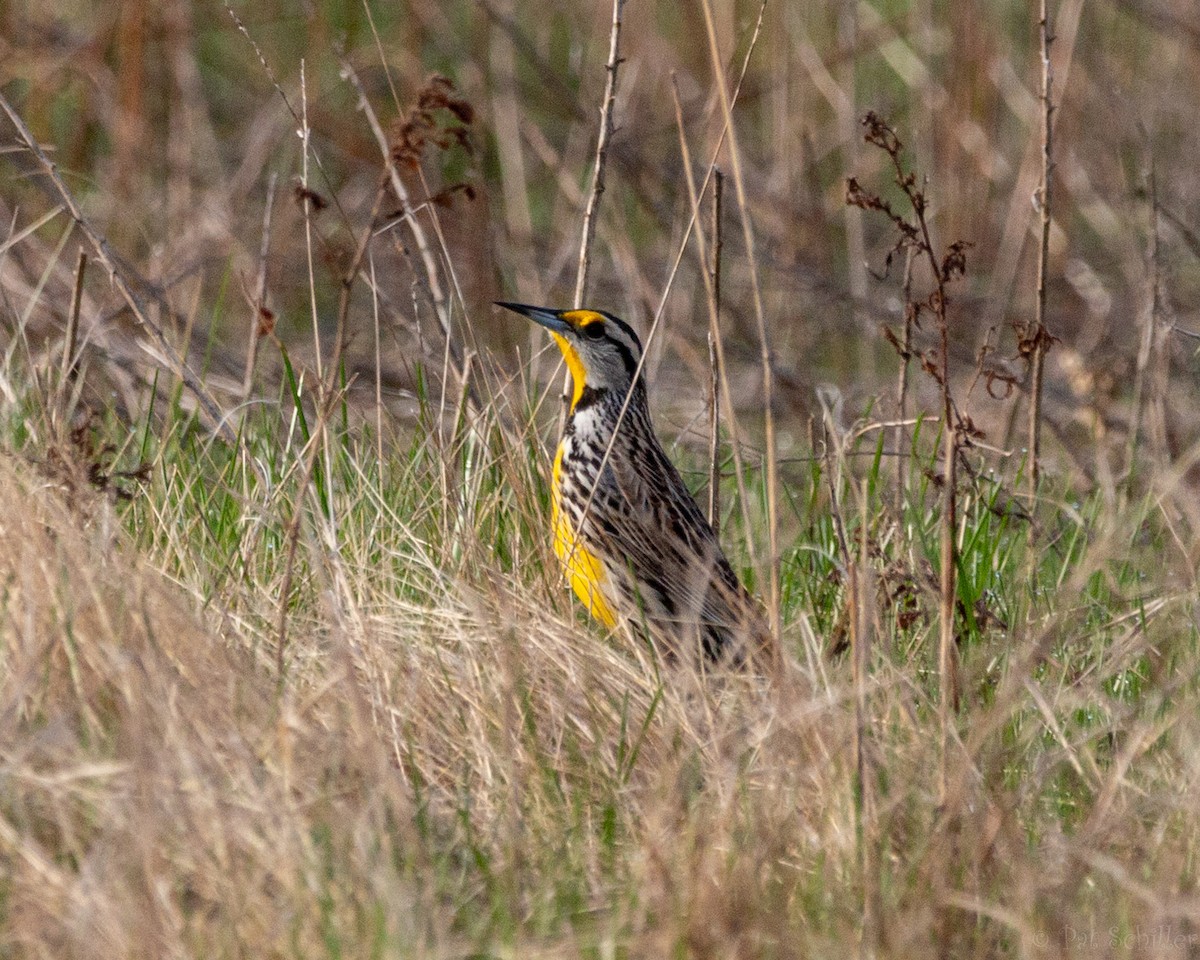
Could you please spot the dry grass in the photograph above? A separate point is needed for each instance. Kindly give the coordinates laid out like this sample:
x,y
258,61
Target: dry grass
x,y
160,796
463,772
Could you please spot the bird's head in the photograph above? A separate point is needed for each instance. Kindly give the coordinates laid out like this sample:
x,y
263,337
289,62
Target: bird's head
x,y
602,351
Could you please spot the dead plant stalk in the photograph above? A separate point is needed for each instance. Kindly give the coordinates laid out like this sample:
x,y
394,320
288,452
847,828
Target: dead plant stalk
x,y
607,110
432,285
714,371
906,348
915,235
602,141
948,695
328,396
739,185
258,313
307,206
725,395
70,364
1038,339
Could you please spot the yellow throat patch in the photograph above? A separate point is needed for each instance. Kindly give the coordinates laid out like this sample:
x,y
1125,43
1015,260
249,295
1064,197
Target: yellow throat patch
x,y
578,319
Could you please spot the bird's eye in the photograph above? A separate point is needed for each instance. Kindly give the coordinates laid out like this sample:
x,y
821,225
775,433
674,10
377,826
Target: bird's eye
x,y
594,331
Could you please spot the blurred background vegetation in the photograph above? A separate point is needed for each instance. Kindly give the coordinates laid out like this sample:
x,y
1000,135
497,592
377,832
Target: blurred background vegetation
x,y
168,119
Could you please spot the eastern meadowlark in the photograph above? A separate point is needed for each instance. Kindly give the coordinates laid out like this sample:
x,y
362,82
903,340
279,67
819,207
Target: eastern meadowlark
x,y
632,540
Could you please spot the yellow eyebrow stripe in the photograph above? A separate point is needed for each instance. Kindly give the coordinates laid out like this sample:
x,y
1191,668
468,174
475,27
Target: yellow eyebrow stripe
x,y
582,318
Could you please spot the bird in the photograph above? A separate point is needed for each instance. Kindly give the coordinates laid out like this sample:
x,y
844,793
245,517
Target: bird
x,y
631,539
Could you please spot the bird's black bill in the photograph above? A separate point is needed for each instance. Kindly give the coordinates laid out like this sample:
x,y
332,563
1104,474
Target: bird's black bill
x,y
545,316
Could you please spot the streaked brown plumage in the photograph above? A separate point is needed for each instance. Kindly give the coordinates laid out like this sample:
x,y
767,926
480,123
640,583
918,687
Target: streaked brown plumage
x,y
634,543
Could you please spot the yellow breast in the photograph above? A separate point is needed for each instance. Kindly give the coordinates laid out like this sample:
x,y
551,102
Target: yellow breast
x,y
584,569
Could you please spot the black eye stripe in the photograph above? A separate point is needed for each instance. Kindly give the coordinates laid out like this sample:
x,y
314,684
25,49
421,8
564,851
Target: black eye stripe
x,y
620,334
627,357
626,329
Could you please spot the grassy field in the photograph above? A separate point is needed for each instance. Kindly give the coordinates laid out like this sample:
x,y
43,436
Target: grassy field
x,y
287,666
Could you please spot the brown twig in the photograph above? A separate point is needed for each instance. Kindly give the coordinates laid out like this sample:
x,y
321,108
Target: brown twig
x,y
607,110
328,396
347,284
602,141
261,320
910,317
953,264
1036,338
713,320
772,454
1147,387
1002,280
948,583
309,205
432,285
731,421
714,372
70,364
100,246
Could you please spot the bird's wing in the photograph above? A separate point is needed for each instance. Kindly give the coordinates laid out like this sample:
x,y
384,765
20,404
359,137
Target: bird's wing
x,y
666,540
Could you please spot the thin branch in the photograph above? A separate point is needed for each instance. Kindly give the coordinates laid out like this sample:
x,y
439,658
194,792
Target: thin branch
x,y
607,110
952,264
259,313
948,583
433,283
1038,339
328,393
602,142
739,186
70,363
319,438
287,104
714,378
1002,280
713,320
305,138
347,284
731,421
910,315
948,586
1149,328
